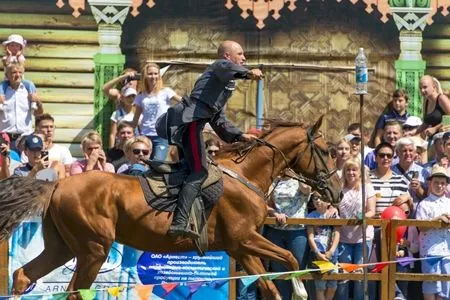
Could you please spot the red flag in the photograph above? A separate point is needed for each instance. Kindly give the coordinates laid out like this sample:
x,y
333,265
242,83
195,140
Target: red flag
x,y
379,267
169,287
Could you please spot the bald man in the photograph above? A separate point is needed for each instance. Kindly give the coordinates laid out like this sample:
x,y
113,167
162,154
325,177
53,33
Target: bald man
x,y
183,123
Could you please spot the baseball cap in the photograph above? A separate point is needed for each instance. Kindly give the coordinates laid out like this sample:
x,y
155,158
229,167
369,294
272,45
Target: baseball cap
x,y
128,91
350,137
17,38
33,142
413,121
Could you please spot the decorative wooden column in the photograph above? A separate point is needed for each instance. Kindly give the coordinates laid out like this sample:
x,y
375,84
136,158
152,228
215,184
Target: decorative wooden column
x,y
110,15
410,16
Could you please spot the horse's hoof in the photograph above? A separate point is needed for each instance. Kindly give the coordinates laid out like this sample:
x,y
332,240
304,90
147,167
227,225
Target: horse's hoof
x,y
20,282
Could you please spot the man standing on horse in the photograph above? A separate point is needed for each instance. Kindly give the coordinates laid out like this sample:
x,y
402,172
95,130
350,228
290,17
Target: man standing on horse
x,y
183,123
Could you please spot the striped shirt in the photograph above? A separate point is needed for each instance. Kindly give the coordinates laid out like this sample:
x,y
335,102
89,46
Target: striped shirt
x,y
387,190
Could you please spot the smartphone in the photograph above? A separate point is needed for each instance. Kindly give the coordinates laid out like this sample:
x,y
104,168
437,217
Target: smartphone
x,y
44,155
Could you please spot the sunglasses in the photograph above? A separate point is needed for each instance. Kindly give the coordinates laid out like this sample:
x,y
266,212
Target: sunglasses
x,y
212,151
139,151
385,155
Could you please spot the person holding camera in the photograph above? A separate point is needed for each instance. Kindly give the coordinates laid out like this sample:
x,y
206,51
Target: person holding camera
x,y
38,160
151,103
95,157
121,90
415,174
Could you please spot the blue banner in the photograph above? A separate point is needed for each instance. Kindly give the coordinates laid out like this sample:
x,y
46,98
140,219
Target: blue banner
x,y
126,266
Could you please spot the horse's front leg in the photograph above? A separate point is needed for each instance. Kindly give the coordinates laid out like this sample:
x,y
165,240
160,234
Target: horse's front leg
x,y
253,266
257,245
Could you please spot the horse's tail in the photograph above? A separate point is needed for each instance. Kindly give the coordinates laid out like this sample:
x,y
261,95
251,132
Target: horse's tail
x,y
20,199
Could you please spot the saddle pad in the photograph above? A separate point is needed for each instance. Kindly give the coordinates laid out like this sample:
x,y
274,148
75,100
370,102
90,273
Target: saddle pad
x,y
210,196
175,180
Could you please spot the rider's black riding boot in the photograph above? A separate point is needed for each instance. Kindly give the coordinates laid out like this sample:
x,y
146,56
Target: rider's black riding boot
x,y
180,223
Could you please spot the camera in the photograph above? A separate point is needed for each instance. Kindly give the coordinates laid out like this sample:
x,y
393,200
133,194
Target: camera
x,y
415,174
136,76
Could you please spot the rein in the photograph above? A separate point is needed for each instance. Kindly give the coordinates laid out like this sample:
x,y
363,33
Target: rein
x,y
319,183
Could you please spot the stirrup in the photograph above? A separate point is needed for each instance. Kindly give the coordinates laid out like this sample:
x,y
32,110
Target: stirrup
x,y
186,232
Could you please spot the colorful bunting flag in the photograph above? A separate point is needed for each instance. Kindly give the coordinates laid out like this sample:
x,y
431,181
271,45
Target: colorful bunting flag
x,y
379,267
325,266
297,274
217,284
431,260
246,281
169,287
270,276
349,267
404,261
60,296
194,286
144,291
115,291
88,294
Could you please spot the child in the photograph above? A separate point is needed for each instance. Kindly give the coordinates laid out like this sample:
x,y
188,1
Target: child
x,y
396,109
435,241
323,241
14,48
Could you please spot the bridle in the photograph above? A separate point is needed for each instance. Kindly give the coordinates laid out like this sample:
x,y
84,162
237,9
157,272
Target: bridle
x,y
320,183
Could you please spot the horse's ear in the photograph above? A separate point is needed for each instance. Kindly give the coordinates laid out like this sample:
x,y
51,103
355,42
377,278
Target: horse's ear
x,y
316,126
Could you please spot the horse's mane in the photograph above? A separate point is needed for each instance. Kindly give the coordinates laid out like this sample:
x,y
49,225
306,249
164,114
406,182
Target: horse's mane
x,y
239,147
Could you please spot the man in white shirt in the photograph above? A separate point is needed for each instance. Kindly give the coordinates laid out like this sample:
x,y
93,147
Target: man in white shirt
x,y
45,124
16,98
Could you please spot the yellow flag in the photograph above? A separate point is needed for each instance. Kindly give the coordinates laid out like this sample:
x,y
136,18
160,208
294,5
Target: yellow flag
x,y
325,266
115,291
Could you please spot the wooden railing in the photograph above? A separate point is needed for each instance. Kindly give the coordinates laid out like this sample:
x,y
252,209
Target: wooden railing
x,y
388,275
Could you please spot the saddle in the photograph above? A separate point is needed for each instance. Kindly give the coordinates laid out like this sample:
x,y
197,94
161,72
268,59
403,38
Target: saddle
x,y
166,178
163,183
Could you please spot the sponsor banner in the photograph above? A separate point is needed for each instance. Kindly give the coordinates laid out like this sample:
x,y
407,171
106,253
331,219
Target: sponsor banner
x,y
125,266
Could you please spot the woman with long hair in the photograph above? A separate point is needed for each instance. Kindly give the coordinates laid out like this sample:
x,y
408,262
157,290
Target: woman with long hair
x,y
153,101
351,243
436,105
342,155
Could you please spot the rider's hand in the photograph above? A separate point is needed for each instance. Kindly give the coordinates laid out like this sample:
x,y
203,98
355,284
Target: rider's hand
x,y
255,74
246,137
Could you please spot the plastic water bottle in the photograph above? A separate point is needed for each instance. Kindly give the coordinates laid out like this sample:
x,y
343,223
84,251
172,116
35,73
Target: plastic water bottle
x,y
362,74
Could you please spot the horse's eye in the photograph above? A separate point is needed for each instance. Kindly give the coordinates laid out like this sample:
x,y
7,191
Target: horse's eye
x,y
325,152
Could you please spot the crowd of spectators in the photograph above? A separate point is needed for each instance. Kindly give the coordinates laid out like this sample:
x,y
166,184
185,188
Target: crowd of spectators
x,y
406,160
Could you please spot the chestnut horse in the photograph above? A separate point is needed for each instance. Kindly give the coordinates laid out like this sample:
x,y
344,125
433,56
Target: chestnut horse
x,y
84,214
